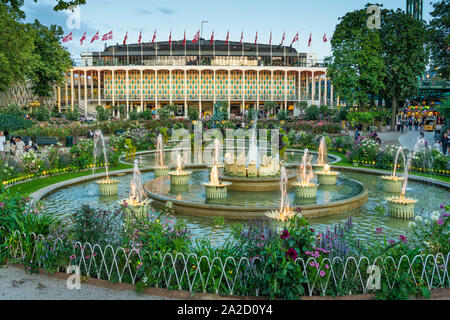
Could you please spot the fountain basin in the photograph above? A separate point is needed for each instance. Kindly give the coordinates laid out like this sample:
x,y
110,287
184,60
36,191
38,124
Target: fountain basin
x,y
400,207
161,171
216,192
108,187
392,184
305,191
179,178
318,167
259,184
327,178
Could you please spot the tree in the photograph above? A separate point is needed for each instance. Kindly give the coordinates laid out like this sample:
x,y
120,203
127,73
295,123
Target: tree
x,y
439,37
50,59
404,55
357,67
60,5
302,105
270,106
16,47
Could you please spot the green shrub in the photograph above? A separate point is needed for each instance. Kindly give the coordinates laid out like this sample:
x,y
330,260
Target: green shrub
x,y
193,113
312,112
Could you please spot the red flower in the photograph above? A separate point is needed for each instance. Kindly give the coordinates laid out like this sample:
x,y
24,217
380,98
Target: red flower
x,y
285,234
292,253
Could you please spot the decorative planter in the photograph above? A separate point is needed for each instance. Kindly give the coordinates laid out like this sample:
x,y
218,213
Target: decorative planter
x,y
219,166
327,179
399,209
136,211
252,171
161,172
241,170
305,191
179,179
216,192
392,185
108,187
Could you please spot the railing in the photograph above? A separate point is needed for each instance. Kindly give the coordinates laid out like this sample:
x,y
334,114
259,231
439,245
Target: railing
x,y
228,276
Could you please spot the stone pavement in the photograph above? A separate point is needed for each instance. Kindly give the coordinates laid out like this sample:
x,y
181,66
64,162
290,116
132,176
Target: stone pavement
x,y
15,284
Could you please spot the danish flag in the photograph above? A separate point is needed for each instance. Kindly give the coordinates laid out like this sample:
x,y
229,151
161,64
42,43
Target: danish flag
x,y
170,38
154,37
184,39
256,37
212,38
242,36
282,39
325,38
125,39
67,38
309,41
270,40
228,37
84,37
295,39
107,36
140,38
96,37
196,37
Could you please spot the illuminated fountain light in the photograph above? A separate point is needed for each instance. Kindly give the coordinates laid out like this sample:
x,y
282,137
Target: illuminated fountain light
x,y
107,186
160,170
401,206
179,176
326,177
216,161
214,189
285,212
394,183
136,203
304,188
322,157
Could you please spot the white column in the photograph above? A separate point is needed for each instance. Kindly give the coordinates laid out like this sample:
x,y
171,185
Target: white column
x,y
200,92
338,102
127,91
79,89
313,88
170,86
185,94
92,85
214,88
320,90
142,90
271,85
285,90
85,93
156,88
257,89
99,88
113,87
229,92
243,90
59,99
331,96
307,86
66,91
71,90
326,89
299,92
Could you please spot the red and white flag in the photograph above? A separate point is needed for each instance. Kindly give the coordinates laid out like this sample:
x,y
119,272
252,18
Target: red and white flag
x,y
170,38
107,36
325,38
228,37
96,37
256,37
295,39
154,37
84,37
309,41
140,38
184,39
67,38
125,39
282,39
196,37
270,40
242,36
212,38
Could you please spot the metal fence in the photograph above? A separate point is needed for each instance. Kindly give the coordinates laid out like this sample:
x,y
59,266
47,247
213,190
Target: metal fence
x,y
226,276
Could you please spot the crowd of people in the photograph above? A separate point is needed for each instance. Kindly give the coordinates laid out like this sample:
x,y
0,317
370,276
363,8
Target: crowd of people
x,y
15,147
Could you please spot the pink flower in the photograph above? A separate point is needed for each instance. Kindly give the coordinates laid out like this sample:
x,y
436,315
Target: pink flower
x,y
322,273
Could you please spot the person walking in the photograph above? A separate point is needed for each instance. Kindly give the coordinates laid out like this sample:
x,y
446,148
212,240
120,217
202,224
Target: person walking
x,y
445,143
19,150
2,143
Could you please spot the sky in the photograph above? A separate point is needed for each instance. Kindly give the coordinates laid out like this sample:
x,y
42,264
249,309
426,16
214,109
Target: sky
x,y
307,17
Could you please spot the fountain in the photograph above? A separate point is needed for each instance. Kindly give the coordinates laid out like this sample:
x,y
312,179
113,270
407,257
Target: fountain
x,y
179,177
284,212
160,169
214,189
322,158
326,177
216,162
107,186
401,206
136,203
304,188
394,183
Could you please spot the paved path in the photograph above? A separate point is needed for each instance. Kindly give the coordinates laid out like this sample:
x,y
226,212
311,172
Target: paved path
x,y
15,284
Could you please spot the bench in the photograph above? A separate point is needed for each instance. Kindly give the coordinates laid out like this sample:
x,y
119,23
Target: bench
x,y
46,141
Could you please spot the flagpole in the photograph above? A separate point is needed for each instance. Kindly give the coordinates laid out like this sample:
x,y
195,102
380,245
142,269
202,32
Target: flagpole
x,y
271,54
214,47
298,49
185,57
128,57
242,40
256,47
284,50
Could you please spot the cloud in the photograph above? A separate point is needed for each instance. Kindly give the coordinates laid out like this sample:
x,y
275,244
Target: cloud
x,y
166,10
143,11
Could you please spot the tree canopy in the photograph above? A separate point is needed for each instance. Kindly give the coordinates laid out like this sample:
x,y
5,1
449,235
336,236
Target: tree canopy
x,y
357,67
439,37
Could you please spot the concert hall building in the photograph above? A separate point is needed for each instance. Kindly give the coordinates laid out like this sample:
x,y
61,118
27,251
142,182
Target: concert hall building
x,y
151,75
